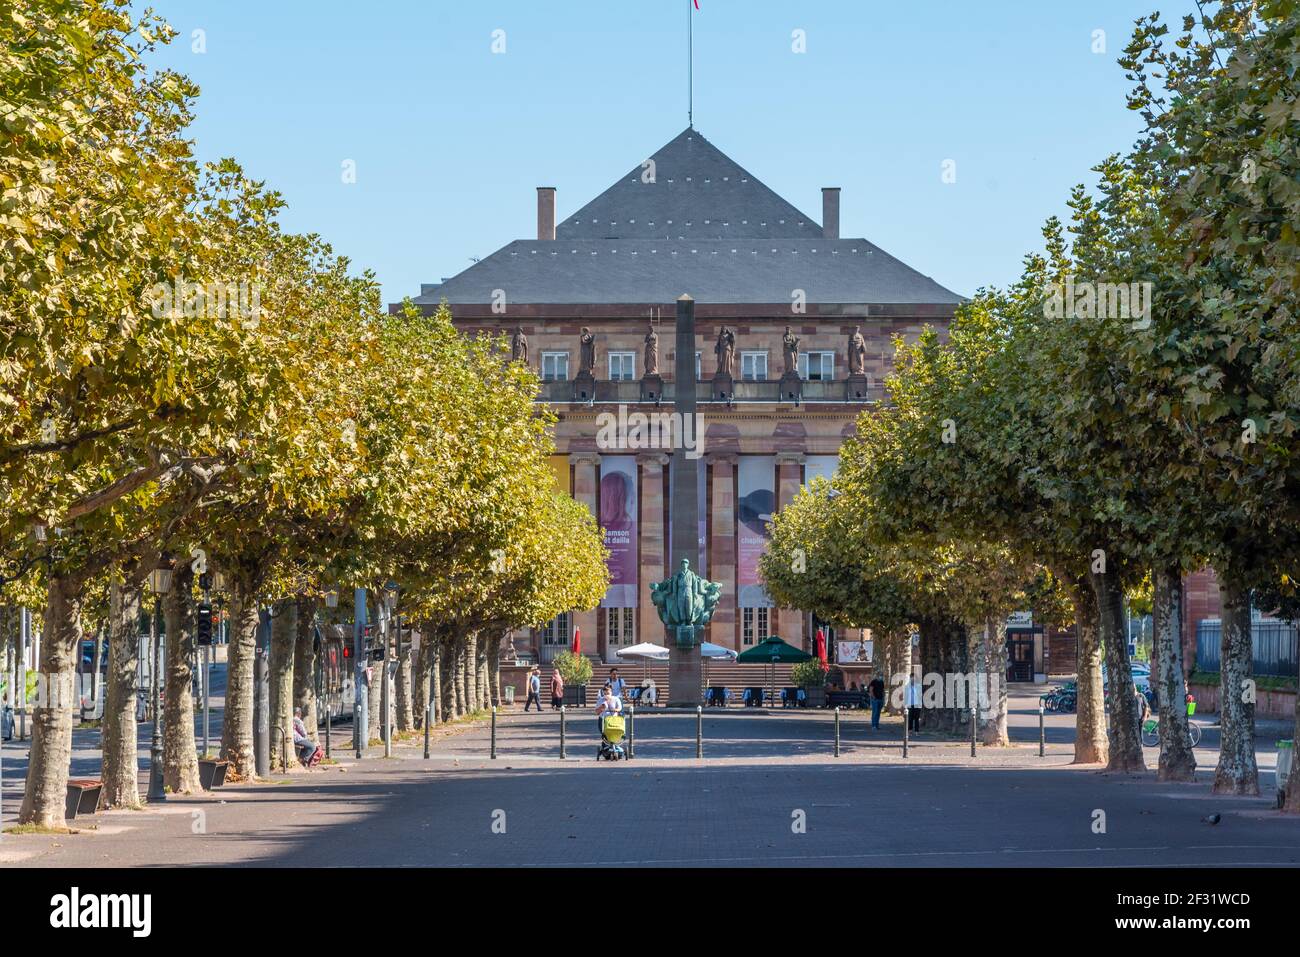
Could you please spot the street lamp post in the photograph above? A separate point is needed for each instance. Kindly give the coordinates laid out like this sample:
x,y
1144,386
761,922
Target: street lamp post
x,y
160,583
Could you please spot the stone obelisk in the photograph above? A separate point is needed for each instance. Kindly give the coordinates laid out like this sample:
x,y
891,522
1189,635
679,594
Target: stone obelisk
x,y
684,509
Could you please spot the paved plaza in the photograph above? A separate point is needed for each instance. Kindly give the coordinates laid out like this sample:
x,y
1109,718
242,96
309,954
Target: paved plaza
x,y
768,791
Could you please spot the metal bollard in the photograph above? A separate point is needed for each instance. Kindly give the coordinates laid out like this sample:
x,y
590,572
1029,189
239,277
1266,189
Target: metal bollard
x,y
1042,733
907,723
329,720
562,754
631,731
699,731
428,720
837,731
974,726
494,733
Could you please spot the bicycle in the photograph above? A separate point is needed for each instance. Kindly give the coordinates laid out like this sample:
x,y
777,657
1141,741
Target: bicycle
x,y
1151,732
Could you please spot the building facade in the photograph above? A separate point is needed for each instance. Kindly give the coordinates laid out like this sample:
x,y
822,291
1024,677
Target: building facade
x,y
794,336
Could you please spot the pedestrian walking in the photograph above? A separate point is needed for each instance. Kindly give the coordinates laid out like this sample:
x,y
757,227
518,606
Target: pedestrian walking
x,y
557,689
534,690
876,690
914,704
616,684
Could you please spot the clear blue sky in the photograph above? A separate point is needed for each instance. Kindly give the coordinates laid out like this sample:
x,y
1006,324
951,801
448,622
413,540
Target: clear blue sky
x,y
450,139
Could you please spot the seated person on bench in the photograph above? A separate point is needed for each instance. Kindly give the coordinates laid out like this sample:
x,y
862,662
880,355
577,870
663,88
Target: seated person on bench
x,y
648,692
305,746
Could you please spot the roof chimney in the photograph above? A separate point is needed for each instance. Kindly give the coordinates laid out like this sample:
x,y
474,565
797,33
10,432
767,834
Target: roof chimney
x,y
831,212
546,212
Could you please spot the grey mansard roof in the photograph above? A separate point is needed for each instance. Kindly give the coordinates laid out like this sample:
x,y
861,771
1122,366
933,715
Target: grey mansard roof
x,y
703,226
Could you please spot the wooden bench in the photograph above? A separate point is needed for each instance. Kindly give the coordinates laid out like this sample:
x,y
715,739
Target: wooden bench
x,y
849,699
83,796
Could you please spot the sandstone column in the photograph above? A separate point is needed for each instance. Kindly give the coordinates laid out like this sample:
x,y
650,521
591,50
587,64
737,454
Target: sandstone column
x,y
789,622
653,543
585,485
722,549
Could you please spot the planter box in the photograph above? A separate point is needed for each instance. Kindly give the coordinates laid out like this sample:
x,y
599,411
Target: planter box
x,y
212,774
575,696
815,697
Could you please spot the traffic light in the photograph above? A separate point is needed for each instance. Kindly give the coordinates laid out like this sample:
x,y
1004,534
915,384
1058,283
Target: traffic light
x,y
204,623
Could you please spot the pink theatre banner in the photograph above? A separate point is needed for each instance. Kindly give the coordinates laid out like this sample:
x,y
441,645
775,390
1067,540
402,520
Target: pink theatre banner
x,y
618,516
755,503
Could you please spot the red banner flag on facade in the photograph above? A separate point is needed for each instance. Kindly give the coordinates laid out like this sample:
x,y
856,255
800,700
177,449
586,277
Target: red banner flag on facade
x,y
577,641
821,647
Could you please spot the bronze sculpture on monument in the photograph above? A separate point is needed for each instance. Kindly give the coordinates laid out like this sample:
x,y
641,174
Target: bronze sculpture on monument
x,y
685,603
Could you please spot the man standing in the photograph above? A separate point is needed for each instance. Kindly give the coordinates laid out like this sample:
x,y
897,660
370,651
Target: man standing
x,y
914,704
616,684
877,692
534,690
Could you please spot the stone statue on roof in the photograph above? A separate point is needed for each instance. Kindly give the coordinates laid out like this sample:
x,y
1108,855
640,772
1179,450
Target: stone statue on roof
x,y
857,352
790,348
587,351
725,350
652,352
519,346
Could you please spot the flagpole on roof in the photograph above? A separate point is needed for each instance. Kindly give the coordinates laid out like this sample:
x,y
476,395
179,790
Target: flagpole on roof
x,y
690,64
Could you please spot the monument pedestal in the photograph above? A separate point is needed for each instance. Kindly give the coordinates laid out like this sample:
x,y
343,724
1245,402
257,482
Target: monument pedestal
x,y
857,387
791,387
685,672
723,386
584,387
652,388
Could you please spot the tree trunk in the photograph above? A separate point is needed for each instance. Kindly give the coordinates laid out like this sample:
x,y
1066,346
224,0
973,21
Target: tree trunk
x,y
959,692
1292,803
405,706
1237,772
377,682
180,758
419,675
991,662
458,675
1090,742
1123,733
494,669
1177,760
472,703
284,638
51,753
121,764
447,683
931,661
304,665
237,715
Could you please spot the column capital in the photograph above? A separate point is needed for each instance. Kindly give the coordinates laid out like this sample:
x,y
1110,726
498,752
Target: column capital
x,y
584,458
790,458
660,459
720,458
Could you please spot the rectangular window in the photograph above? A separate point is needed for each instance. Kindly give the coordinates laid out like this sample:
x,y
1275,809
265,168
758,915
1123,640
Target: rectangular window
x,y
622,365
556,631
747,626
753,366
555,366
817,366
761,629
698,375
619,626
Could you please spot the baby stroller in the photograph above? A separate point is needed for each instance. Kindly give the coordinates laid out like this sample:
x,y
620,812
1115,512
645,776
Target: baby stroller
x,y
611,734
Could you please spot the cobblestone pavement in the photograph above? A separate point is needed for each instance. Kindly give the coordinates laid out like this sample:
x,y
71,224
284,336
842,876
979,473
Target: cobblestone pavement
x,y
768,791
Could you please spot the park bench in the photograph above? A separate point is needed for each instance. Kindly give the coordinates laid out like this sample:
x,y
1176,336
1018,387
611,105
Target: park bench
x,y
846,699
83,796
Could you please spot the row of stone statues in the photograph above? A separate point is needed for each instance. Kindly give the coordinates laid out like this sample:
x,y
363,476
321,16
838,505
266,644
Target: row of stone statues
x,y
724,350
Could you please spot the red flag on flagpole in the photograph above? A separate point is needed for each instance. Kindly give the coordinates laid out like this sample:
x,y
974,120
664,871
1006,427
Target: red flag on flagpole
x,y
577,641
821,647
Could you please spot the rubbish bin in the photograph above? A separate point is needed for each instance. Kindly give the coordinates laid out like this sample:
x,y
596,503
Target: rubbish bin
x,y
1285,761
510,693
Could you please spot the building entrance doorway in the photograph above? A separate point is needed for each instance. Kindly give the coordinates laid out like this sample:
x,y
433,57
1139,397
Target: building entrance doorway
x,y
1020,656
